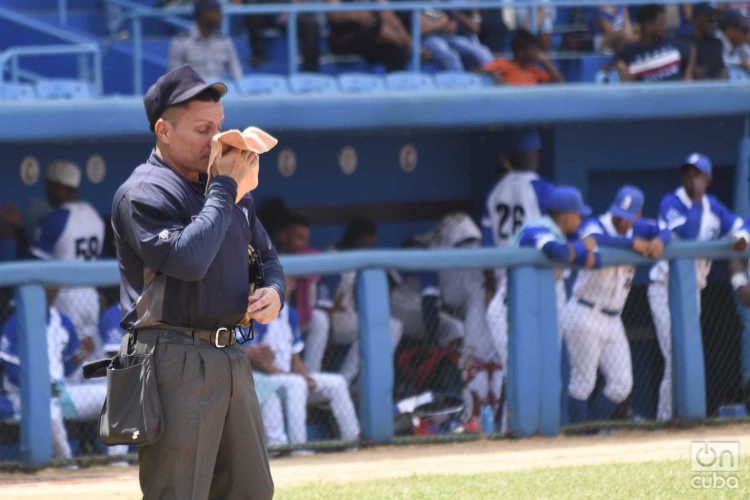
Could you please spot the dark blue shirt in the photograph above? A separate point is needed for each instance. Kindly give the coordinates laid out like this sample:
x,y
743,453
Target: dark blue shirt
x,y
182,255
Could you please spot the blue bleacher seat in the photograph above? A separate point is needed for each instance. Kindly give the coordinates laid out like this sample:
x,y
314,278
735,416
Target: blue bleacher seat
x,y
409,81
16,92
458,80
63,89
361,83
263,84
738,75
312,83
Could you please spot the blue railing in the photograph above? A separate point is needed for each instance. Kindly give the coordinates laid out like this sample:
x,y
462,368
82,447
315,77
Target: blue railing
x,y
293,10
89,68
533,385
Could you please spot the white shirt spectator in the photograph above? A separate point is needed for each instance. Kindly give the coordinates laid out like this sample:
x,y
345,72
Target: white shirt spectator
x,y
213,57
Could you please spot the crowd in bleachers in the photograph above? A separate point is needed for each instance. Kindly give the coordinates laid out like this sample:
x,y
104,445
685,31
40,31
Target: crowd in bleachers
x,y
698,41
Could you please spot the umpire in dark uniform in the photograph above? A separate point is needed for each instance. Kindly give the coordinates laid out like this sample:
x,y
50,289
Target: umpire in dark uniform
x,y
183,258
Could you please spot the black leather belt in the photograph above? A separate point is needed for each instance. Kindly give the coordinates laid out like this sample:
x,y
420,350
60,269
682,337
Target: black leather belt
x,y
219,338
591,305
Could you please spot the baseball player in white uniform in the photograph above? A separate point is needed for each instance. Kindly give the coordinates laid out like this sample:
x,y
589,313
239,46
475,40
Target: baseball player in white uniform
x,y
70,401
690,214
72,231
518,197
297,386
484,348
591,323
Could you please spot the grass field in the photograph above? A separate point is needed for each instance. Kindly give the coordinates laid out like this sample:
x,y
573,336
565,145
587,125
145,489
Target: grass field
x,y
627,465
662,479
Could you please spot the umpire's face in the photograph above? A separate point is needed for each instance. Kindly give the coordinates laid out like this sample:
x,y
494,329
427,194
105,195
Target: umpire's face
x,y
184,134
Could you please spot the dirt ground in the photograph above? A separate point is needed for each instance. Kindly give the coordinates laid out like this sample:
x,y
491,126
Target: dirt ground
x,y
398,461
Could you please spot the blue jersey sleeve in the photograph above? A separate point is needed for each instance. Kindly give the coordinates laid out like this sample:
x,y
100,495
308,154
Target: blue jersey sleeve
x,y
297,343
9,350
729,221
543,189
47,232
326,289
110,331
72,347
684,223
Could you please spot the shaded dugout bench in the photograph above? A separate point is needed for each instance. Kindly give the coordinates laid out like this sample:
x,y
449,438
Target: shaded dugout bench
x,y
533,375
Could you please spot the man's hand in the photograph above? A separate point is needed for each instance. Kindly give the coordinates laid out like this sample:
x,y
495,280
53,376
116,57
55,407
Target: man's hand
x,y
262,354
590,260
264,305
657,248
642,246
310,383
590,243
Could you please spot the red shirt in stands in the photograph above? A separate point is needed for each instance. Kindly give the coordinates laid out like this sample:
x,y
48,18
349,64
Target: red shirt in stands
x,y
513,74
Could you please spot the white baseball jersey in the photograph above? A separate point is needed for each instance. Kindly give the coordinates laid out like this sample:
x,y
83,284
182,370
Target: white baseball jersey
x,y
688,221
73,231
605,288
283,336
62,346
518,197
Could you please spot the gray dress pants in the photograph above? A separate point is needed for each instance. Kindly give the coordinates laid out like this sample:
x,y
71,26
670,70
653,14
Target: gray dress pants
x,y
213,444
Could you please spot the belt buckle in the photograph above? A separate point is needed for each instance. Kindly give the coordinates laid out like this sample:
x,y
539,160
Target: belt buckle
x,y
216,337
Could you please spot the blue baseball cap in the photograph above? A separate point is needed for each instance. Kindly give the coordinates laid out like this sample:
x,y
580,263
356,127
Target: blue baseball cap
x,y
628,203
204,5
699,161
524,141
567,199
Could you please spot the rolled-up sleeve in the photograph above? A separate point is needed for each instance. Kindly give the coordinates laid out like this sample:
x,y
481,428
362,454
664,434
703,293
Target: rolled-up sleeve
x,y
152,225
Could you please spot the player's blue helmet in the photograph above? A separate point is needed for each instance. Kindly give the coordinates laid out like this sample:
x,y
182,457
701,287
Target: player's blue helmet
x,y
701,162
567,199
628,203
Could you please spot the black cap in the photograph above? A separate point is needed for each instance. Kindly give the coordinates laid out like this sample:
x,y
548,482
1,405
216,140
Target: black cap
x,y
704,8
734,19
179,85
203,5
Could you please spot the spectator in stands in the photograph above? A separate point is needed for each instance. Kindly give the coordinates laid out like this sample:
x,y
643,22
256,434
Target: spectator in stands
x,y
545,22
492,29
530,66
452,38
72,231
212,54
65,354
339,299
734,37
709,59
294,238
380,37
297,386
610,25
308,34
655,57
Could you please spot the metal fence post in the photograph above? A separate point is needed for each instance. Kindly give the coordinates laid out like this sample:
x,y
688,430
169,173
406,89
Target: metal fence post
x,y
688,374
549,344
416,40
291,40
524,377
36,429
137,57
376,354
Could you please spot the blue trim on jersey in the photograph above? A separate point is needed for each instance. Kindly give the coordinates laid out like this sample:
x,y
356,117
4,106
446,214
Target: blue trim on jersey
x,y
297,343
72,347
110,330
48,231
9,350
686,222
535,236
